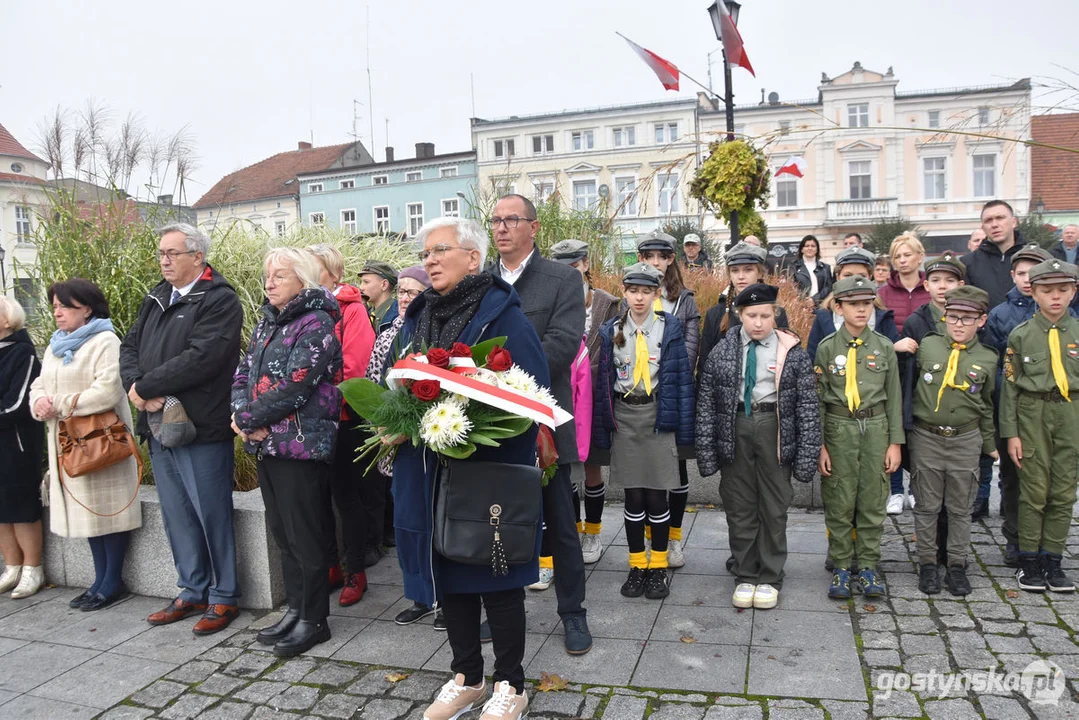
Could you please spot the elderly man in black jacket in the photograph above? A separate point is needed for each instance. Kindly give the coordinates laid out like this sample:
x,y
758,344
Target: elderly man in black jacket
x,y
183,348
552,300
989,267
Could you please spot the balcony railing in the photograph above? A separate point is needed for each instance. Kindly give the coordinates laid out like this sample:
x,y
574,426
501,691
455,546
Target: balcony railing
x,y
873,209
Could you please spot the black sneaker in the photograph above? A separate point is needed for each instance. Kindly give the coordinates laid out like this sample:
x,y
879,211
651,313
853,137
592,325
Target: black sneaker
x,y
656,584
1011,555
372,556
1055,579
1029,575
981,509
634,584
928,580
730,564
440,622
418,611
956,580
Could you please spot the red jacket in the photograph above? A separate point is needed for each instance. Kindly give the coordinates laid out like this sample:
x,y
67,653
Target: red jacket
x,y
899,300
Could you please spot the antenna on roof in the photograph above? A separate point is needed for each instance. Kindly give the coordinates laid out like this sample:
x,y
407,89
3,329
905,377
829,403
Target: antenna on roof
x,y
355,117
370,99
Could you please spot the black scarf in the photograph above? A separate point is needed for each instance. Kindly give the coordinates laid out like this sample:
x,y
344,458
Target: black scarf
x,y
443,317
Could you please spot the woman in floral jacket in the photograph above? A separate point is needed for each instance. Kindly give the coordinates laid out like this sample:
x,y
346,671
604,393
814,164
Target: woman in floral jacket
x,y
286,408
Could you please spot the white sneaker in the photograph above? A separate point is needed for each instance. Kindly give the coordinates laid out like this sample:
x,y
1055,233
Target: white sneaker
x,y
895,505
505,704
910,501
10,577
743,595
545,579
676,556
591,548
454,700
31,581
765,597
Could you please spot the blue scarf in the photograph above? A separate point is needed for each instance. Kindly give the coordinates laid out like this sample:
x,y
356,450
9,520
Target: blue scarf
x,y
65,344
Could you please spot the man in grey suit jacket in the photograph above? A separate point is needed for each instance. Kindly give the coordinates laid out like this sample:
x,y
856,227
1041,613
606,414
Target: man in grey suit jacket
x,y
552,300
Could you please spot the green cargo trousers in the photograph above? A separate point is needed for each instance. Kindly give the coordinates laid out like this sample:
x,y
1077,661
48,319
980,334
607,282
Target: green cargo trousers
x,y
756,493
945,472
856,492
1047,477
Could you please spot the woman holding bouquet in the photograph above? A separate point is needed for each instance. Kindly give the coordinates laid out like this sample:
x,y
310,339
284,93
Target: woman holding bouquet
x,y
469,306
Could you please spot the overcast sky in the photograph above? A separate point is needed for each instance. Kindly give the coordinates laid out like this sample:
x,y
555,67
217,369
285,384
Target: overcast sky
x,y
250,79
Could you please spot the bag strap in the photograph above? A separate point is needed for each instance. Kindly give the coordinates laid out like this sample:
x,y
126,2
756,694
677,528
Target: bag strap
x,y
138,481
74,404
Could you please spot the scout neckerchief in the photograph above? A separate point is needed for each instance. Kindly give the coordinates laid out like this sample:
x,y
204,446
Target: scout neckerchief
x,y
751,374
1059,375
641,371
658,304
950,372
854,399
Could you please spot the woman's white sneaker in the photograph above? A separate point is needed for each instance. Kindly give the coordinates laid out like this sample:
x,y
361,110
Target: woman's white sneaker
x,y
455,699
546,577
743,595
895,505
505,704
10,577
591,548
30,582
765,597
676,556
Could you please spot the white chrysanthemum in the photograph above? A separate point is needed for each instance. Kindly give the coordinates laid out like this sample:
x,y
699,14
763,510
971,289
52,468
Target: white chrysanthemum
x,y
459,400
485,376
517,379
444,425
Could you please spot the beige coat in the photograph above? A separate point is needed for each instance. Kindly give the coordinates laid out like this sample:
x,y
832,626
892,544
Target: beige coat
x,y
94,375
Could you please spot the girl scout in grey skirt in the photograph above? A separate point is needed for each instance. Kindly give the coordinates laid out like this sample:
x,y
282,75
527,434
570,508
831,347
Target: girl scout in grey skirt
x,y
643,408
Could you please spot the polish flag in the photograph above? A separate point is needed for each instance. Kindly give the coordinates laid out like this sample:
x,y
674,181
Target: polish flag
x,y
732,40
795,165
665,70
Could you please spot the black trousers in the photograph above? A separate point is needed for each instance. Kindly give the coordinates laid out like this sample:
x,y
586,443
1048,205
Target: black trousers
x,y
506,615
376,502
297,498
1009,494
559,516
346,480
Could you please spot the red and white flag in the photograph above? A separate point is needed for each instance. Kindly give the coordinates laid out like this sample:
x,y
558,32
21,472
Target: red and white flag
x,y
795,165
732,40
665,70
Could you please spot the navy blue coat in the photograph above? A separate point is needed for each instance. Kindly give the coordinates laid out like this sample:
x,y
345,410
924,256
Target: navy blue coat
x,y
427,575
675,398
824,325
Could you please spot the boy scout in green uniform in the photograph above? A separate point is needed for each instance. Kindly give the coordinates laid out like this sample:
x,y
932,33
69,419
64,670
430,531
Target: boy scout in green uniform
x,y
954,377
1038,418
861,405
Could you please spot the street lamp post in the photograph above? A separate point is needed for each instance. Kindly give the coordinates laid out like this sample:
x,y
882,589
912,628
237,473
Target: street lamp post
x,y
728,95
3,271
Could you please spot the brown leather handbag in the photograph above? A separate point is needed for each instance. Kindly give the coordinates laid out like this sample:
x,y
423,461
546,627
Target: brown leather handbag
x,y
91,442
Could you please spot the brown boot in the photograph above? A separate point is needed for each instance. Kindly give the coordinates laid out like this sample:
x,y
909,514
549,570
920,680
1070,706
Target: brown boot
x,y
216,619
177,610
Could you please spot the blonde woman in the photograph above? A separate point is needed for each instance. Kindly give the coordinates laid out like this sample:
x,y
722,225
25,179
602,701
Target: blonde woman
x,y
905,290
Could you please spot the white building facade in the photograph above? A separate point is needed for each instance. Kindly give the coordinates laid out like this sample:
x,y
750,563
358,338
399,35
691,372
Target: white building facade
x,y
22,197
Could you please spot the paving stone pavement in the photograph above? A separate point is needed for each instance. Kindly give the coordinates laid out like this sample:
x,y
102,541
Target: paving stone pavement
x,y
691,657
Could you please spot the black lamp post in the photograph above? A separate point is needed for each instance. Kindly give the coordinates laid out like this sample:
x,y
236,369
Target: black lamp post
x,y
3,271
728,96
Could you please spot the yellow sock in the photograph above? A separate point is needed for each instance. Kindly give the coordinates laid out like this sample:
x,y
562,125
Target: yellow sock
x,y
658,559
547,561
638,560
647,532
591,528
580,527
676,534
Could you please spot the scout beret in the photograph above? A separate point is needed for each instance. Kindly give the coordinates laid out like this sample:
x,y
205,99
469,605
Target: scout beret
x,y
1031,252
569,251
382,269
759,294
746,254
967,297
642,274
1053,271
854,288
656,240
948,262
855,256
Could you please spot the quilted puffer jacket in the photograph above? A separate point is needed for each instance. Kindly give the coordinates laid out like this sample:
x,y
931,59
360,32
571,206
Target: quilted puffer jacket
x,y
719,390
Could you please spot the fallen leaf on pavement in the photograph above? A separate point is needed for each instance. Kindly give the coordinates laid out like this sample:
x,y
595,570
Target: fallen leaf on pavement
x,y
396,677
1012,594
551,682
688,639
870,608
710,506
771,657
691,509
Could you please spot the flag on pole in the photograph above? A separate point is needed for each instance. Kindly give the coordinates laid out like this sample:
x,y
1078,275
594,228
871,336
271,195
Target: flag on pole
x,y
795,165
665,70
732,40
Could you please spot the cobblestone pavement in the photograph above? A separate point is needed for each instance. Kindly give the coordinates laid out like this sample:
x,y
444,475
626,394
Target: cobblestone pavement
x,y
690,657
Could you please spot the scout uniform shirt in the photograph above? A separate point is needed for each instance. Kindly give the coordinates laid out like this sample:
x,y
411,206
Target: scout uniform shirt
x,y
625,356
1028,367
767,352
969,397
877,375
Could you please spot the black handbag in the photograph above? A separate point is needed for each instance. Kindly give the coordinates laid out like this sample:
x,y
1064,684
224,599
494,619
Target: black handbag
x,y
487,513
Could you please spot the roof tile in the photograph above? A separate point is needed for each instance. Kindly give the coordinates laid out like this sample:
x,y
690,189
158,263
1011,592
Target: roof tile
x,y
1054,177
10,146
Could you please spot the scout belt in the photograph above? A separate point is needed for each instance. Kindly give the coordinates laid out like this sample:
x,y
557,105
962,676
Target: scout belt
x,y
859,414
1052,396
758,407
637,399
946,430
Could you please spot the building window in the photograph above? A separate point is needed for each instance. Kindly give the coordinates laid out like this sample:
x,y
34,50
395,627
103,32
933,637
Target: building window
x,y
784,127
626,195
934,119
786,191
861,179
625,136
22,225
542,144
668,194
666,133
933,172
415,218
348,221
279,228
451,207
382,219
583,140
316,219
504,148
348,184
983,116
543,191
858,115
414,176
985,175
584,194
314,188
380,180
448,171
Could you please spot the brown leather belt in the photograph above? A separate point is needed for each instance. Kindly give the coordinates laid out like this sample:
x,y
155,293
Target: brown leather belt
x,y
946,430
859,414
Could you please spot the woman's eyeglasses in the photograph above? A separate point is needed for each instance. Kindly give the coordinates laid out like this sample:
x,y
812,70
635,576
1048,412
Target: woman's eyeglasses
x,y
438,252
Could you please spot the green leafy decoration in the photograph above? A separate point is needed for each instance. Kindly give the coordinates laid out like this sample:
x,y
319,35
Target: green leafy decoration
x,y
733,178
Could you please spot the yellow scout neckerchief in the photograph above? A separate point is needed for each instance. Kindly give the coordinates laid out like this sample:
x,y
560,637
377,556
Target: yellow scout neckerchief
x,y
950,372
854,398
1058,366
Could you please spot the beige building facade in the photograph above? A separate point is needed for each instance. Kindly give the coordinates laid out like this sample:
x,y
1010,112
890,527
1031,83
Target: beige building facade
x,y
22,196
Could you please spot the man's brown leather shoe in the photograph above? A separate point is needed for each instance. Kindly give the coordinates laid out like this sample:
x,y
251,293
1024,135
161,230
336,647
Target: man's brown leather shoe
x,y
177,610
216,619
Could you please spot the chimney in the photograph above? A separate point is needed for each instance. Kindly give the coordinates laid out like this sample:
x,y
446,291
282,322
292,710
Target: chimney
x,y
425,150
303,145
164,199
389,153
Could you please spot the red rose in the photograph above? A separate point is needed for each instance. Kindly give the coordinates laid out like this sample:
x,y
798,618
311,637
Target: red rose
x,y
460,350
427,390
499,359
438,357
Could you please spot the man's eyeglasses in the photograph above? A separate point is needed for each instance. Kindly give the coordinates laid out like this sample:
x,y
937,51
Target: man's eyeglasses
x,y
404,294
173,254
967,320
510,222
438,251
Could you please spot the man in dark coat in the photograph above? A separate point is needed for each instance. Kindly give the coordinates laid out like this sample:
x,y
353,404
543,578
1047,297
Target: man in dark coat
x,y
552,300
989,267
1068,246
